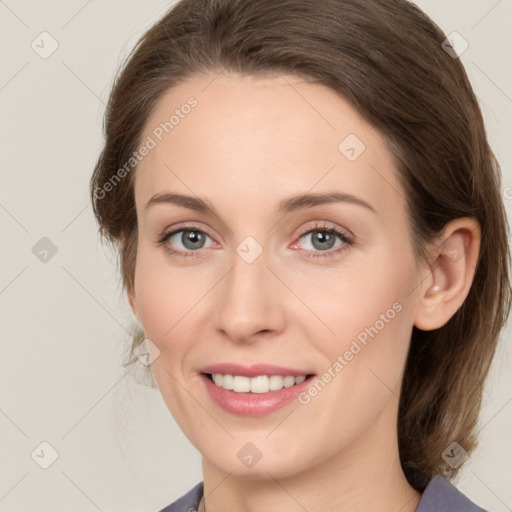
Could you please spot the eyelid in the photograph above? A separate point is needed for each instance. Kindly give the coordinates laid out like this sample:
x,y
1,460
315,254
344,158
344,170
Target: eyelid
x,y
185,226
328,226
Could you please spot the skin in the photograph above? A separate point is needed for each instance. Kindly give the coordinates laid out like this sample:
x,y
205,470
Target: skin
x,y
250,143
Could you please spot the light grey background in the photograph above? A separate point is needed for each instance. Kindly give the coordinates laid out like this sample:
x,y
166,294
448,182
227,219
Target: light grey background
x,y
65,321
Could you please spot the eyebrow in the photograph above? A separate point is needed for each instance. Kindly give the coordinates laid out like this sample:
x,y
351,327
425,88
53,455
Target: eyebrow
x,y
298,202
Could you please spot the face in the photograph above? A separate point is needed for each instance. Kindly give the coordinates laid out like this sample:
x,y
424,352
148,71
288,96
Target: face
x,y
291,257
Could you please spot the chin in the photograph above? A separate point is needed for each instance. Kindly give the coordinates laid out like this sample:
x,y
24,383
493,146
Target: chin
x,y
242,459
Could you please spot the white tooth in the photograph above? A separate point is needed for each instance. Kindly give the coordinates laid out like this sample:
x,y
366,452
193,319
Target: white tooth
x,y
288,381
227,382
259,384
241,384
275,382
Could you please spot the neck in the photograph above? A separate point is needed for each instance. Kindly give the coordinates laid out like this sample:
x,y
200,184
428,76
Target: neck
x,y
366,475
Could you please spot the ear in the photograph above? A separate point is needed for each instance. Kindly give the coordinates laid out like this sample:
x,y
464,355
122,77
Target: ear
x,y
449,275
130,292
129,284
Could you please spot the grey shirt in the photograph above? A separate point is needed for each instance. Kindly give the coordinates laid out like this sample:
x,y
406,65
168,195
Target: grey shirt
x,y
439,496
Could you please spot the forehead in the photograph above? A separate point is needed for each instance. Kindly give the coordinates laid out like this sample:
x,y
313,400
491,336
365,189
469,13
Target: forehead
x,y
262,138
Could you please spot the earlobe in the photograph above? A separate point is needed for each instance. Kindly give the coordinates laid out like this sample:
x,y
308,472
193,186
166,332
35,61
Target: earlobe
x,y
450,274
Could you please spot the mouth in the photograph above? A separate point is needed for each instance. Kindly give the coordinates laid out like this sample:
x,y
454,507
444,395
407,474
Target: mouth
x,y
260,384
254,390
257,393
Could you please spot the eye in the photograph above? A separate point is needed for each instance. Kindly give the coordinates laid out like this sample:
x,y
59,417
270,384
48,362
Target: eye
x,y
322,241
188,240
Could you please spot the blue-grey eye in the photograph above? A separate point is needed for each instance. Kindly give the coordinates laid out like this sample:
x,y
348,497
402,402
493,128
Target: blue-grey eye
x,y
191,239
321,239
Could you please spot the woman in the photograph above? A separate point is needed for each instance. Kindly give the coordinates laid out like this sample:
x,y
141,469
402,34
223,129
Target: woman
x,y
312,238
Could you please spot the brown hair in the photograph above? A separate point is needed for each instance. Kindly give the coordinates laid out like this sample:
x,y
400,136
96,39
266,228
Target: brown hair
x,y
385,57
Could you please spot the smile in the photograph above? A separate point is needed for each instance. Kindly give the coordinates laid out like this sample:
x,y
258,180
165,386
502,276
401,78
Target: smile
x,y
254,396
259,384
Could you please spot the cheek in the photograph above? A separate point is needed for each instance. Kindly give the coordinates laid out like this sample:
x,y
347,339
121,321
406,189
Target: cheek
x,y
164,294
165,302
356,300
368,310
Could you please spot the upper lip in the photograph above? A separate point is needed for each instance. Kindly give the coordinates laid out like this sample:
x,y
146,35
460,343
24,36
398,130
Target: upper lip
x,y
253,371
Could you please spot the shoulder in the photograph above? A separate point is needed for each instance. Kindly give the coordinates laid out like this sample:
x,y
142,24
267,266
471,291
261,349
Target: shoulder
x,y
442,496
188,502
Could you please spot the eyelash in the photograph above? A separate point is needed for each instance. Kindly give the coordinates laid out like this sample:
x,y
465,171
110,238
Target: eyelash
x,y
331,253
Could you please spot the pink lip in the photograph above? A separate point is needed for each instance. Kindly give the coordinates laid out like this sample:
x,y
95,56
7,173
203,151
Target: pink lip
x,y
253,404
254,370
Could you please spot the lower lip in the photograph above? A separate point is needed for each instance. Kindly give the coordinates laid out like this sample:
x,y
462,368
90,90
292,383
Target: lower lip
x,y
253,404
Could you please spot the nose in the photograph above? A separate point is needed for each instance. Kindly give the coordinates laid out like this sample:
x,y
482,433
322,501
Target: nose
x,y
250,302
